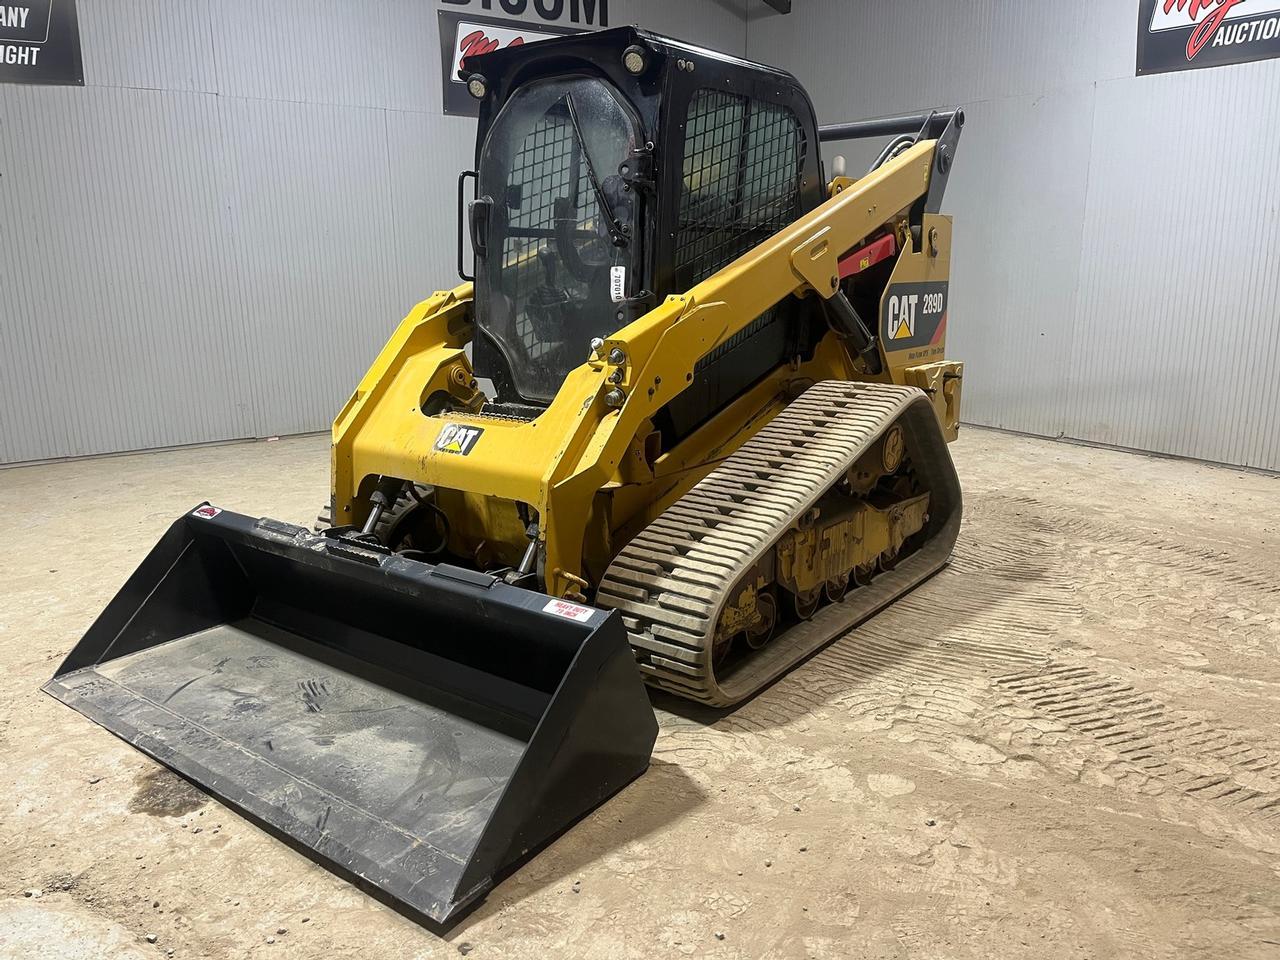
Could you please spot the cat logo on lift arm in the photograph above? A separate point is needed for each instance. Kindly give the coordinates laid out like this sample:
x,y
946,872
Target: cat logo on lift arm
x,y
458,438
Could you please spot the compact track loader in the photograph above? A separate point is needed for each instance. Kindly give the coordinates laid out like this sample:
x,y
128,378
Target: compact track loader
x,y
687,423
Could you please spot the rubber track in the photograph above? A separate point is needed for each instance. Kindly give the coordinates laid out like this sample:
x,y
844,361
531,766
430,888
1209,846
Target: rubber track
x,y
671,582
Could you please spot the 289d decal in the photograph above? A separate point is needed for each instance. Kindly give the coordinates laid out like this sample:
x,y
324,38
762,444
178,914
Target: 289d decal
x,y
913,315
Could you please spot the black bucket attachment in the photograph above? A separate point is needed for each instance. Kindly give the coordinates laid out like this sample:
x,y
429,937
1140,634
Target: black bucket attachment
x,y
416,728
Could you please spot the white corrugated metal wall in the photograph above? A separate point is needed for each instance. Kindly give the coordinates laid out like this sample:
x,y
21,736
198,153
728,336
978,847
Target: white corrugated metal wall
x,y
1114,277
211,239
216,234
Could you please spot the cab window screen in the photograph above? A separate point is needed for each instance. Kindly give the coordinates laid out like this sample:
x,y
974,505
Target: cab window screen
x,y
741,179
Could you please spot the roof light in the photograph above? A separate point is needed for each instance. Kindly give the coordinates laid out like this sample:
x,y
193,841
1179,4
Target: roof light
x,y
634,60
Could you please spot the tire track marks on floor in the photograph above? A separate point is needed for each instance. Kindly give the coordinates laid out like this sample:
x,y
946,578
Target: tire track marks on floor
x,y
1197,755
923,667
1113,540
976,654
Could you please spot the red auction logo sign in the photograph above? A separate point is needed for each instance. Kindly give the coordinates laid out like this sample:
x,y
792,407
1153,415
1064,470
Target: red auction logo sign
x,y
477,42
463,35
472,39
1209,25
1184,34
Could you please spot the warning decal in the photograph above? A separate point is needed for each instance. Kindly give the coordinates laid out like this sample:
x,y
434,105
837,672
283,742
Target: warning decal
x,y
913,315
207,512
571,611
458,438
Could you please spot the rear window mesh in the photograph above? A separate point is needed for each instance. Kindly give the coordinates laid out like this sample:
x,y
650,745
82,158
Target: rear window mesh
x,y
741,185
742,162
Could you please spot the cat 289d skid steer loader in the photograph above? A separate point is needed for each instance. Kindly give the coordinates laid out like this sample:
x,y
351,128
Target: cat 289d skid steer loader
x,y
688,424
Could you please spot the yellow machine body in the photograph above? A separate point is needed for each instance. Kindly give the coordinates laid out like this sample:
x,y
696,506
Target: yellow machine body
x,y
586,466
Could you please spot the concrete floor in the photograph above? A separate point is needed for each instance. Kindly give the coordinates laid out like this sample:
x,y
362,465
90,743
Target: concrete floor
x,y
1064,745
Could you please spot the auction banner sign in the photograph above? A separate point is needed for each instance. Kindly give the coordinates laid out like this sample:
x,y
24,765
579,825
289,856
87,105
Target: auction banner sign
x,y
40,42
1186,34
463,34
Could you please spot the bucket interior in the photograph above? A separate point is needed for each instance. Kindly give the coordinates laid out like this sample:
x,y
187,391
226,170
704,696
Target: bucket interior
x,y
373,709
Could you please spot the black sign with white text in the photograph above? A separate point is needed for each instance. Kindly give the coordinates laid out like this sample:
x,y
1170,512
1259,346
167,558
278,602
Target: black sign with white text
x,y
1186,34
40,42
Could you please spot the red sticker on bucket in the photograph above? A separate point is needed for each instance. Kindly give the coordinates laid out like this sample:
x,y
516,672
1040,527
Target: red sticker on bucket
x,y
571,611
207,512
